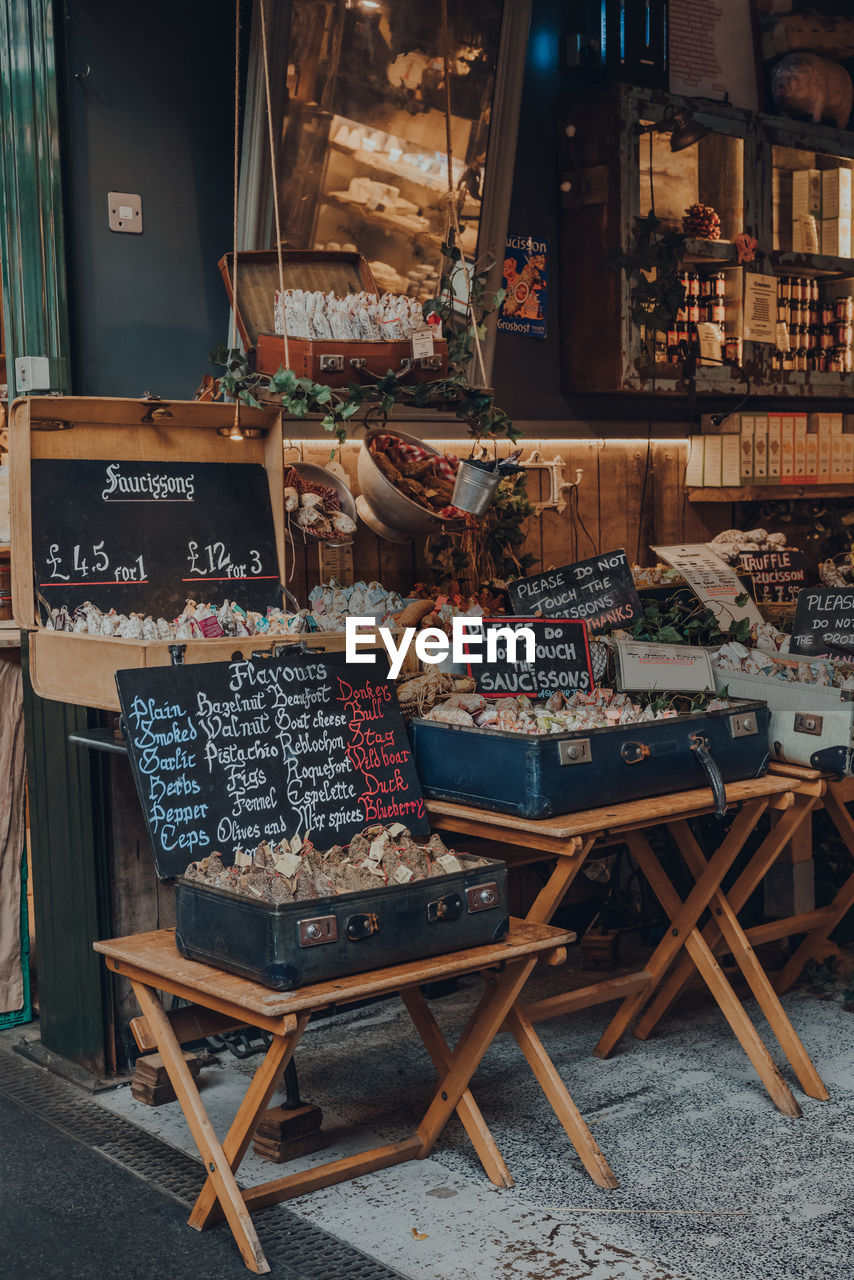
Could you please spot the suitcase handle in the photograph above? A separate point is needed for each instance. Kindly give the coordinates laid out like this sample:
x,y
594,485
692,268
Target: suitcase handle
x,y
634,752
700,746
364,374
361,926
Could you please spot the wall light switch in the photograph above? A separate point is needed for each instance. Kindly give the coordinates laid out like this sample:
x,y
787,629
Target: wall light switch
x,y
125,212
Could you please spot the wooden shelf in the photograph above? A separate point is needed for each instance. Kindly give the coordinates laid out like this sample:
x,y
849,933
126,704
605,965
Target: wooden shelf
x,y
811,264
386,222
772,492
708,252
404,173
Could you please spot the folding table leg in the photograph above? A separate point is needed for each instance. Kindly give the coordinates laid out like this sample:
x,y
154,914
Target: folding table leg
x,y
480,1031
556,887
226,1189
262,1086
757,978
562,1104
712,974
683,917
838,812
468,1110
749,880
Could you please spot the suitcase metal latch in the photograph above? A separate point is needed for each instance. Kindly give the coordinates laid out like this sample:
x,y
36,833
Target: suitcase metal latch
x,y
331,364
805,723
360,927
450,908
574,751
743,725
634,752
317,930
482,897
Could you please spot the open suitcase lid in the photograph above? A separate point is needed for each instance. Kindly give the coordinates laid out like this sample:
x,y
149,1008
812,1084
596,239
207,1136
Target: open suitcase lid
x,y
329,271
58,444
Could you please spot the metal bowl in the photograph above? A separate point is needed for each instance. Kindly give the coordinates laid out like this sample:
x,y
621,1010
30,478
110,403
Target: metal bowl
x,y
320,475
381,504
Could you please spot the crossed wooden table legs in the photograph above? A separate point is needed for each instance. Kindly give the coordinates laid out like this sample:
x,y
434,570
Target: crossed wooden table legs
x,y
573,837
152,963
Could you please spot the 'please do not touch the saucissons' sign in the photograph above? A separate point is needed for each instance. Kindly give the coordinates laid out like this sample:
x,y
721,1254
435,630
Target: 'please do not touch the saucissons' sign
x,y
560,660
228,754
599,591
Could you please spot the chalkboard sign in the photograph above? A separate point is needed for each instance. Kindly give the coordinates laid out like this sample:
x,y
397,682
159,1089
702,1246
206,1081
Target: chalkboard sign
x,y
777,575
227,754
145,536
824,620
561,661
599,591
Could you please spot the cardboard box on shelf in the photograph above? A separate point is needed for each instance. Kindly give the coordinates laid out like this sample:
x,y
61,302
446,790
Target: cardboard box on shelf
x,y
800,472
836,237
746,439
712,454
775,433
760,448
806,192
836,193
806,234
787,448
824,446
694,465
811,476
730,461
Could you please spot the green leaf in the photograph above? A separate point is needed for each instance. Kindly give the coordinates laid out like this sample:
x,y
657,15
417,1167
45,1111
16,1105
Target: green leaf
x,y
669,635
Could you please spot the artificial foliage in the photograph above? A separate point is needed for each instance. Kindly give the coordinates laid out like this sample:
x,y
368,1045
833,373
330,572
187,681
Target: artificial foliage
x,y
682,619
653,265
489,551
471,404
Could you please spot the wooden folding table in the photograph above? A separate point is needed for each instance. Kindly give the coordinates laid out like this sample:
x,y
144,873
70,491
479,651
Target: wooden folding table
x,y
152,963
571,838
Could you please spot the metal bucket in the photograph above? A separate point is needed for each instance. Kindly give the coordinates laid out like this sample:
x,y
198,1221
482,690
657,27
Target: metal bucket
x,y
474,487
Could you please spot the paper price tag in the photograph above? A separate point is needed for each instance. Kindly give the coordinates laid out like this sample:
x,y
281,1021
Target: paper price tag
x,y
403,874
422,343
711,339
287,863
449,863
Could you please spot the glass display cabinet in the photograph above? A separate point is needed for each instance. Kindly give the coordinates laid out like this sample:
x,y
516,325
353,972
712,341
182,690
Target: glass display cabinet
x,y
786,183
364,160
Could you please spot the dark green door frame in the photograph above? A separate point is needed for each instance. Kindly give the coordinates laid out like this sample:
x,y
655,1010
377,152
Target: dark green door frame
x,y
65,785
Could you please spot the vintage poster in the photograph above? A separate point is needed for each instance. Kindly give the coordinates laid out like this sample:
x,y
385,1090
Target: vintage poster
x,y
525,281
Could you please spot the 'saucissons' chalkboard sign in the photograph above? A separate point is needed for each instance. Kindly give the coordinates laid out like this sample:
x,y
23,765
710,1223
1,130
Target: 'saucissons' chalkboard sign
x,y
142,537
227,754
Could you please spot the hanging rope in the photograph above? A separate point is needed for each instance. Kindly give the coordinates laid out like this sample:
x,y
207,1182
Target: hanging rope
x,y
233,328
262,6
451,197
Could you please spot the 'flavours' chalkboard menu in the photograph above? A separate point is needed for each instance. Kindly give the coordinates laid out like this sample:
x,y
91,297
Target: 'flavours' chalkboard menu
x,y
600,591
145,536
227,754
824,620
561,659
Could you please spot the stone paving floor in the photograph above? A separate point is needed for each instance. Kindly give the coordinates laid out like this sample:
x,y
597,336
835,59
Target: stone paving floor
x,y
715,1184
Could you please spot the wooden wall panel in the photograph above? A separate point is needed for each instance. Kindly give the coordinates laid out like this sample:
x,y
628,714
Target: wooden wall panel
x,y
608,501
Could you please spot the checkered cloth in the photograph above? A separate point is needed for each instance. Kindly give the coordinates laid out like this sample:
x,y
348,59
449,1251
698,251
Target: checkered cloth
x,y
402,451
444,465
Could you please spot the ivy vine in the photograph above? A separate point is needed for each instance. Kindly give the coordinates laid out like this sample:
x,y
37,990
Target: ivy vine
x,y
653,265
